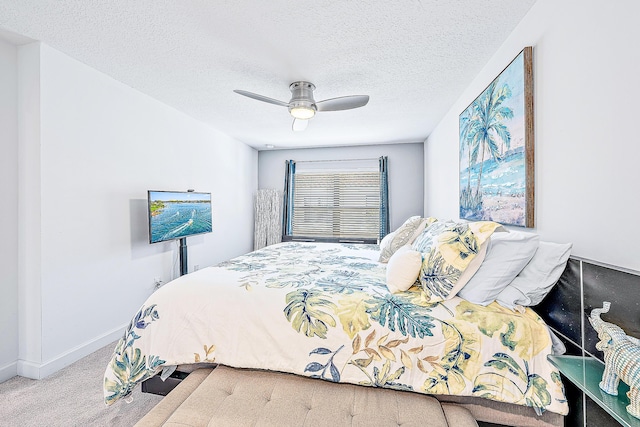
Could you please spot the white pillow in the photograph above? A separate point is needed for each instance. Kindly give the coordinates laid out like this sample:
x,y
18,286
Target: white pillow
x,y
403,269
538,277
508,253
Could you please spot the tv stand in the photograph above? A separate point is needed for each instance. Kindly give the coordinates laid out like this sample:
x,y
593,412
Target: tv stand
x,y
183,256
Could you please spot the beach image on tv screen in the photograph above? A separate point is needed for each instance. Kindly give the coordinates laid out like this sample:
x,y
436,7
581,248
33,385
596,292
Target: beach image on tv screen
x,y
176,215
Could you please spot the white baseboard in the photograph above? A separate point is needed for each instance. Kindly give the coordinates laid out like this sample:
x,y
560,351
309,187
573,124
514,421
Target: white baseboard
x,y
38,371
9,371
29,369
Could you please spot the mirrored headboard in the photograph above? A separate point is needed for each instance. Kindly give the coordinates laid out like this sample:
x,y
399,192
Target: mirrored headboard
x,y
583,286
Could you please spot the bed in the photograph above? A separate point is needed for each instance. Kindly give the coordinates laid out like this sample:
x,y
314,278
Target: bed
x,y
324,310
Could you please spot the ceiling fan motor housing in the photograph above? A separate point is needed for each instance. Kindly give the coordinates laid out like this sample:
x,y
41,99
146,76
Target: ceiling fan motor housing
x,y
302,96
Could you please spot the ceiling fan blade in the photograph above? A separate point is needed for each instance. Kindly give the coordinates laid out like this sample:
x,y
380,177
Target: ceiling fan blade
x,y
342,103
299,125
261,98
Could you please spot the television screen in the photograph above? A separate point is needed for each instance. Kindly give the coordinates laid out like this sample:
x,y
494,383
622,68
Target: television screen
x,y
177,214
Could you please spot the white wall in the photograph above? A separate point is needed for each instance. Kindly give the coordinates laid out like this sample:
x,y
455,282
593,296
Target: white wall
x,y
405,163
101,145
9,214
586,67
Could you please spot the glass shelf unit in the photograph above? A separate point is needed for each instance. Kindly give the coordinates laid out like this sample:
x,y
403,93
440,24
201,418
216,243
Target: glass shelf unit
x,y
586,374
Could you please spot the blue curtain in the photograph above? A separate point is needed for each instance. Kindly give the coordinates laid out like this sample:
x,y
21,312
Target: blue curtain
x,y
287,209
384,197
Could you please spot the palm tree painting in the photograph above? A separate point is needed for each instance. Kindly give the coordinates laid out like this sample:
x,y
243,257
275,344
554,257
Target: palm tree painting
x,y
496,148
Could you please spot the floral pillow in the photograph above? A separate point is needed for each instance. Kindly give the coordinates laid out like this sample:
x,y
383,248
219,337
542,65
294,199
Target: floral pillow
x,y
451,252
405,234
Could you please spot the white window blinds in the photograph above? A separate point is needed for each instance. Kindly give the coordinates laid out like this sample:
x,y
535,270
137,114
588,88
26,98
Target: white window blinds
x,y
336,204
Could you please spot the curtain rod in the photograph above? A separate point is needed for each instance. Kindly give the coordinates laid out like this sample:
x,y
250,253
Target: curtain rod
x,y
339,160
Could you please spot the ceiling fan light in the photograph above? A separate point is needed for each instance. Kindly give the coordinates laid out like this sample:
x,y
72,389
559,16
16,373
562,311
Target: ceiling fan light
x,y
302,112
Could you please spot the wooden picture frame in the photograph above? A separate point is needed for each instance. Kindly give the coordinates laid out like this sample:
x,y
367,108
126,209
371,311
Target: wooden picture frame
x,y
497,149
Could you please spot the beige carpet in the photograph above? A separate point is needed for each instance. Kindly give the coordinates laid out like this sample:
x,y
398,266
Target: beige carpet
x,y
70,397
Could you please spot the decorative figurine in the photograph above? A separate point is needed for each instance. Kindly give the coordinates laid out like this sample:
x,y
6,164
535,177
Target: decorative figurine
x,y
621,358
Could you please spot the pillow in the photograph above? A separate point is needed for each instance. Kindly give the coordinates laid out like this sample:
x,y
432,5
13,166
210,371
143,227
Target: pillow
x,y
385,247
403,269
426,222
507,255
402,236
538,277
424,239
448,251
468,273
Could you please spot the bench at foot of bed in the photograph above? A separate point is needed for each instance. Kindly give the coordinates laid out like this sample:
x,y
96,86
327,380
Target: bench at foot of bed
x,y
246,397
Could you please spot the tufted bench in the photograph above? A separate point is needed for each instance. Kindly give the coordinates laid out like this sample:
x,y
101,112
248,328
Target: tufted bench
x,y
246,397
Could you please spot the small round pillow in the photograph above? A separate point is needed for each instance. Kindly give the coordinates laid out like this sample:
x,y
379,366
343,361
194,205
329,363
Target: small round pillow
x,y
403,269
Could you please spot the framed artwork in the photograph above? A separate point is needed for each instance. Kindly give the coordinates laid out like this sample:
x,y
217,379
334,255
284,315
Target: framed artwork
x,y
497,149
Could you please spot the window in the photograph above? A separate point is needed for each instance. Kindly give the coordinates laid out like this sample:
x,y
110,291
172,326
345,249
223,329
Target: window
x,y
336,200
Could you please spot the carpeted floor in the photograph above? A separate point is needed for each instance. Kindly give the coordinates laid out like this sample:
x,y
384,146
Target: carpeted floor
x,y
70,397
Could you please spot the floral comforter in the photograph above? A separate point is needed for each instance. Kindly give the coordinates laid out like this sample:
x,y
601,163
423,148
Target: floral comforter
x,y
324,311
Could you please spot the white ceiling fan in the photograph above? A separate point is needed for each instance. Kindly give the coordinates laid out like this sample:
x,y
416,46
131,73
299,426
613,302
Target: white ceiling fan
x,y
303,107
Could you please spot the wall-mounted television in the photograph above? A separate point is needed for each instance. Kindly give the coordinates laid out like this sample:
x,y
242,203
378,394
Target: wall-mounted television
x,y
177,214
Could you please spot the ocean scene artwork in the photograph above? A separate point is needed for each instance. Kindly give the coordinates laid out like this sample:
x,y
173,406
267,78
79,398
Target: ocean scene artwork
x,y
496,149
173,215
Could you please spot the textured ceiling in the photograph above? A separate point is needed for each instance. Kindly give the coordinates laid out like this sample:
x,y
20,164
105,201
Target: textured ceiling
x,y
413,58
